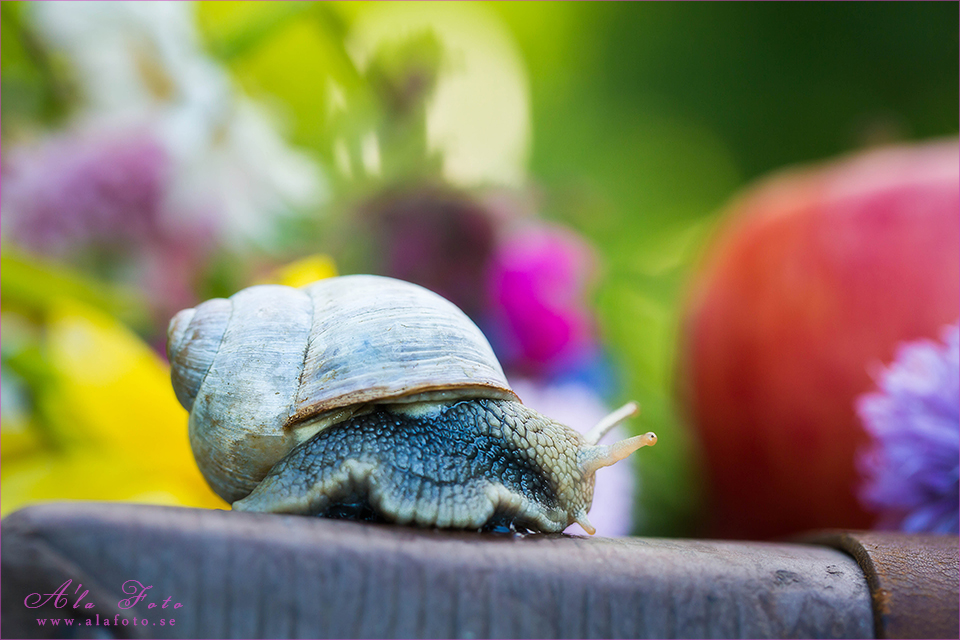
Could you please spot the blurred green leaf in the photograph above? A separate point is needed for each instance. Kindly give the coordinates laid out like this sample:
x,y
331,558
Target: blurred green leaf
x,y
292,56
34,87
639,326
33,286
236,28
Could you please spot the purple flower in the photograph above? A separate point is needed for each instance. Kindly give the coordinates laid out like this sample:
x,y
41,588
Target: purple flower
x,y
438,238
98,199
77,191
912,468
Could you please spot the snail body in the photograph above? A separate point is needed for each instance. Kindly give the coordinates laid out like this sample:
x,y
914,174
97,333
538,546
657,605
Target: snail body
x,y
364,394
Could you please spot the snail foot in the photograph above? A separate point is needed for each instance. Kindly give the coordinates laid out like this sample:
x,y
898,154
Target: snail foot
x,y
407,470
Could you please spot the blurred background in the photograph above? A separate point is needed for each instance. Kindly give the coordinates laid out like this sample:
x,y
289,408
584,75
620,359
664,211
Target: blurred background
x,y
559,171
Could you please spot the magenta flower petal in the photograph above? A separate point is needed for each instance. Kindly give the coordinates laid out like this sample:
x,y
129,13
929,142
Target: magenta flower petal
x,y
537,281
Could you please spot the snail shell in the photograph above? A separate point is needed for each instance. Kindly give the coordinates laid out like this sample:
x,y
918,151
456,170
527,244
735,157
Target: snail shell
x,y
313,398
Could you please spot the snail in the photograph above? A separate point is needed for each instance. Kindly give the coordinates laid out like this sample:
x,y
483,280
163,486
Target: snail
x,y
367,396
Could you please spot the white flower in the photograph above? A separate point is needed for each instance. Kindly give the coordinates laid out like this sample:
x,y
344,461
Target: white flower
x,y
141,64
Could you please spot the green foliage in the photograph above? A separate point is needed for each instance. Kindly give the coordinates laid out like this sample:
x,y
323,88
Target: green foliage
x,y
34,85
31,286
646,118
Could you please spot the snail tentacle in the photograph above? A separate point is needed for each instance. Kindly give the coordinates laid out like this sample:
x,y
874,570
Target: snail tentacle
x,y
580,517
610,421
599,456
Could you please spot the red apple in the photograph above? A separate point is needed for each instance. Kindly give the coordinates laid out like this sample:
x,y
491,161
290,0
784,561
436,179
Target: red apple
x,y
814,279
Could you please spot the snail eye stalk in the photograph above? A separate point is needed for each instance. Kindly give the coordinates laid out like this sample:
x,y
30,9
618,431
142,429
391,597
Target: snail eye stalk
x,y
599,456
594,456
610,421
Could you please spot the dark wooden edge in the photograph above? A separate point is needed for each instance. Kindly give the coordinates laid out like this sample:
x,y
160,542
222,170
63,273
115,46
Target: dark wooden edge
x,y
914,579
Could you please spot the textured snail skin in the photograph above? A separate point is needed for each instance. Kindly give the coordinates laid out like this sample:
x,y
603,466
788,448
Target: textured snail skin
x,y
468,465
366,394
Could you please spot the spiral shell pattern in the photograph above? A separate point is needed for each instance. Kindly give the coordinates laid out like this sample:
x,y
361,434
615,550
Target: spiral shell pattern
x,y
267,368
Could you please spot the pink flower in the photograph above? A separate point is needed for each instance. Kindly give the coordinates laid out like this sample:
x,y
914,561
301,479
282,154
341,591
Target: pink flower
x,y
540,323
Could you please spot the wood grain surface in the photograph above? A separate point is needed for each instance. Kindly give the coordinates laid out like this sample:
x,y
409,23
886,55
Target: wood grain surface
x,y
251,575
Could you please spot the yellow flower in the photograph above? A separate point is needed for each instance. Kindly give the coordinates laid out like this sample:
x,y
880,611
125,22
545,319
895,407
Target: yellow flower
x,y
116,430
109,426
303,271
